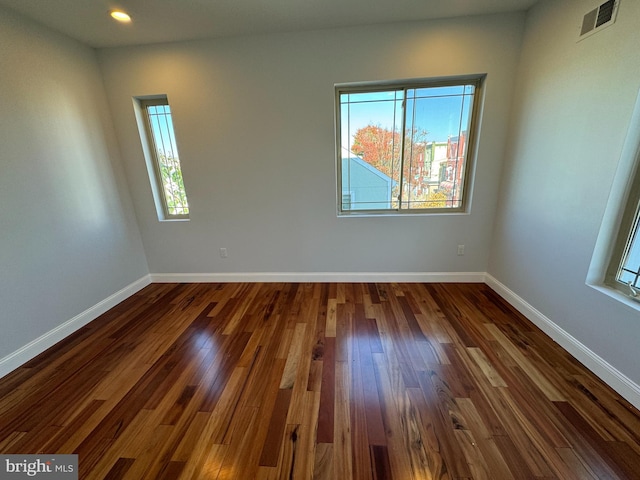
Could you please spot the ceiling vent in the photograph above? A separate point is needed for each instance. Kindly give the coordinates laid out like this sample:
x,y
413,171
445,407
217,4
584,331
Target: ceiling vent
x,y
599,18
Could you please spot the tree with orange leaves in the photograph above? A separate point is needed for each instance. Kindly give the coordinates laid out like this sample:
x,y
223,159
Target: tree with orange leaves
x,y
381,147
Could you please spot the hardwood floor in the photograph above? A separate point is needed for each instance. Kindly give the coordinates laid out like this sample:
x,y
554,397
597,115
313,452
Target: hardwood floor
x,y
326,381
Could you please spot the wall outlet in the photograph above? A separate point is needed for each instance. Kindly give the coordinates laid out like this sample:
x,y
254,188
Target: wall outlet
x,y
460,249
224,253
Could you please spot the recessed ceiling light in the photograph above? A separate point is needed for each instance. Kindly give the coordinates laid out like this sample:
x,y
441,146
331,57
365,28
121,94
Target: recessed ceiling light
x,y
120,16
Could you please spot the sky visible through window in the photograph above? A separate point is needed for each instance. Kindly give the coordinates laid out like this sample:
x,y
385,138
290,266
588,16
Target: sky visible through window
x,y
442,112
631,267
162,127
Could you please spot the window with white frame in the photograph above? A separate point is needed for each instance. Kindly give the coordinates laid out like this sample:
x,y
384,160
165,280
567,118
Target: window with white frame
x,y
615,265
166,173
624,268
406,146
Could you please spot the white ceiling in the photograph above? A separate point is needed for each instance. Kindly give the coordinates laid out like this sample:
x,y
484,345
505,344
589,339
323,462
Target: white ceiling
x,y
156,21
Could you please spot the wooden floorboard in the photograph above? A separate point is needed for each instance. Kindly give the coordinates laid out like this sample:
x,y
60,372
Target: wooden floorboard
x,y
314,380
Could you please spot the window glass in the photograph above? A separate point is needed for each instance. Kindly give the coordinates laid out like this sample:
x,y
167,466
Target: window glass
x,y
168,172
405,147
629,271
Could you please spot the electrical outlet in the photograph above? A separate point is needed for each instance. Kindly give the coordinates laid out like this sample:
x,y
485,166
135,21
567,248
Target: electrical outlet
x,y
460,249
224,253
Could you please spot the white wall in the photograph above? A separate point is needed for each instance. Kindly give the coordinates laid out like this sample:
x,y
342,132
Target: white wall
x,y
254,119
571,117
68,236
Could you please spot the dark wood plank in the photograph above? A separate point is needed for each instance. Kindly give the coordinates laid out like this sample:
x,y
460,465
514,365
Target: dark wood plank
x,y
271,448
327,393
120,469
380,462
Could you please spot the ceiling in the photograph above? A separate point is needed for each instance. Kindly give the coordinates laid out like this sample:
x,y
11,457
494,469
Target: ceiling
x,y
156,21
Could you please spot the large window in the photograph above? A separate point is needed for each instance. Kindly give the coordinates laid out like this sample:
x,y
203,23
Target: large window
x,y
406,147
166,173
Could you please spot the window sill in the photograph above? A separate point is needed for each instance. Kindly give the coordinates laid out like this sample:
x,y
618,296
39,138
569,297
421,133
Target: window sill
x,y
629,301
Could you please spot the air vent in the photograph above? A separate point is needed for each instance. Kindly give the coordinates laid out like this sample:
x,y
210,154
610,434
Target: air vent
x,y
598,18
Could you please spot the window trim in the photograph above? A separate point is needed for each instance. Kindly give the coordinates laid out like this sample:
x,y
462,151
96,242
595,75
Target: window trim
x,y
151,155
629,227
618,219
473,133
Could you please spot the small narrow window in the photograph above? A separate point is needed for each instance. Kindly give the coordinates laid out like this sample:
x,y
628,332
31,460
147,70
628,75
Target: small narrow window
x,y
163,150
624,269
615,265
630,266
406,146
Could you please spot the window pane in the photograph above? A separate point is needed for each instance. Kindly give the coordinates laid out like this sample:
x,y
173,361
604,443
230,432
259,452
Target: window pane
x,y
631,261
626,277
434,177
436,91
166,151
370,149
362,97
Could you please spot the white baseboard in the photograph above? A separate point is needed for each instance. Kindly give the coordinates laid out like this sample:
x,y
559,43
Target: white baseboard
x,y
322,277
40,344
607,372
